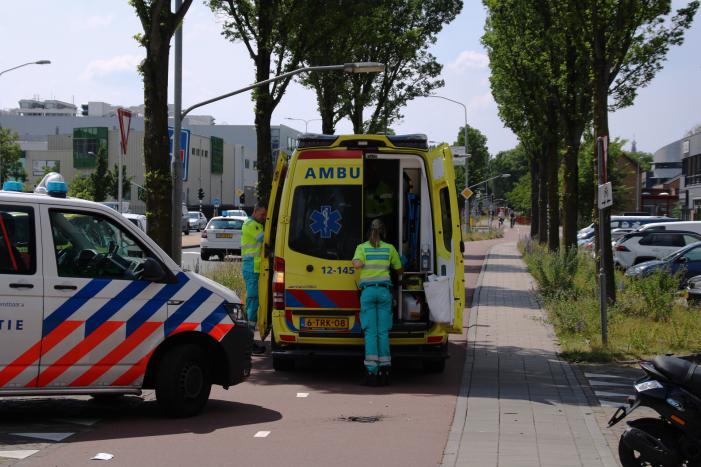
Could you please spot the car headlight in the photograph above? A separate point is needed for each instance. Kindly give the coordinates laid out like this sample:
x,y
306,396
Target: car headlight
x,y
236,313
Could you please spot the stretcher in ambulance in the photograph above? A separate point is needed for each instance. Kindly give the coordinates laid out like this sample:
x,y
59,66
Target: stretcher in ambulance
x,y
322,202
89,304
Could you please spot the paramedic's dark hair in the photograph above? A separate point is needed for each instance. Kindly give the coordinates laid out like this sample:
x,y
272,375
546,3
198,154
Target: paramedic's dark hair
x,y
260,205
377,232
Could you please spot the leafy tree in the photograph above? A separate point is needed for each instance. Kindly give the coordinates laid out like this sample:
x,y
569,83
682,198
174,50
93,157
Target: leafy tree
x,y
82,187
100,178
397,33
159,24
519,198
275,33
113,183
628,41
514,162
10,155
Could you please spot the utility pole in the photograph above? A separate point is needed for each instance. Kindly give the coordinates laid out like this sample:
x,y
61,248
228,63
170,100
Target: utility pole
x,y
176,163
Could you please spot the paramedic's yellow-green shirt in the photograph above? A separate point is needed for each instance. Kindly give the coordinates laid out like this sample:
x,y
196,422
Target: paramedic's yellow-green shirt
x,y
376,262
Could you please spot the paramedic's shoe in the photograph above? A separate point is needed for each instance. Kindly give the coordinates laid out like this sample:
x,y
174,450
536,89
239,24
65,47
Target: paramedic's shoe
x,y
384,377
258,349
370,379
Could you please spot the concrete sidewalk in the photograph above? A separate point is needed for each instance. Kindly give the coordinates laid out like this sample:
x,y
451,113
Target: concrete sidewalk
x,y
519,404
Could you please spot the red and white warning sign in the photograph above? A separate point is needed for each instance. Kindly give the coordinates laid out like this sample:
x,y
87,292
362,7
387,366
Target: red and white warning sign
x,y
124,117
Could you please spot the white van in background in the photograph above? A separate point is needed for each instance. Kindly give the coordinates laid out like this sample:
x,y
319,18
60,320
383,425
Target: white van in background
x,y
689,226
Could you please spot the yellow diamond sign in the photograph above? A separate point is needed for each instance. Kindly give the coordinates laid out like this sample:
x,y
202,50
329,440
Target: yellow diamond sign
x,y
466,193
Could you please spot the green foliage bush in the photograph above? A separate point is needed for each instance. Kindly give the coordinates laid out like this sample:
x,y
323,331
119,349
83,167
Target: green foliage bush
x,y
647,319
229,275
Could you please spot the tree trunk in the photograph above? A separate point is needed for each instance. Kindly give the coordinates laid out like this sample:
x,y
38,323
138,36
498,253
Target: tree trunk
x,y
570,195
158,180
535,187
542,197
600,69
552,164
263,138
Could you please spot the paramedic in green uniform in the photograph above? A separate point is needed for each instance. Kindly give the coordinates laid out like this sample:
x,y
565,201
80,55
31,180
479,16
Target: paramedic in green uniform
x,y
251,248
374,258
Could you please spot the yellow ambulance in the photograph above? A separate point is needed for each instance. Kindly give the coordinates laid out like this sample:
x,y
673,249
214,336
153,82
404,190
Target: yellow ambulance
x,y
322,201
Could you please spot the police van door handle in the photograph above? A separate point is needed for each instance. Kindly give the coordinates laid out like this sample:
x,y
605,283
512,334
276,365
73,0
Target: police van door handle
x,y
65,287
22,286
175,302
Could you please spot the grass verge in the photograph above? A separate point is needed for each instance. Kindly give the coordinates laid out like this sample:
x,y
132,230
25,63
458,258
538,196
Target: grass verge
x,y
229,275
648,318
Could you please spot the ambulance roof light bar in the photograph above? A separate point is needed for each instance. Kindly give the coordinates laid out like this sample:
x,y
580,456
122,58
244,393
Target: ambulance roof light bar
x,y
52,184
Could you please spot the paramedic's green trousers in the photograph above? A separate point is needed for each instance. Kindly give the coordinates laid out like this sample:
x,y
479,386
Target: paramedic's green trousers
x,y
251,279
376,320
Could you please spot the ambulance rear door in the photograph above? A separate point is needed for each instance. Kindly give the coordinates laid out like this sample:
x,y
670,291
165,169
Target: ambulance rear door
x,y
325,227
270,232
444,202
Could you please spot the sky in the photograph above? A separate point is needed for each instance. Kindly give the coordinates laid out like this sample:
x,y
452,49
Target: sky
x,y
94,56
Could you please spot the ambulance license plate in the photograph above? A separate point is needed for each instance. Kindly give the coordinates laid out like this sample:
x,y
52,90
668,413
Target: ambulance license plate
x,y
224,235
315,323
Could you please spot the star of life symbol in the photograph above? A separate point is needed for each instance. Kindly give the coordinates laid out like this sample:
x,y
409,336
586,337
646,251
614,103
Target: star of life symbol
x,y
326,222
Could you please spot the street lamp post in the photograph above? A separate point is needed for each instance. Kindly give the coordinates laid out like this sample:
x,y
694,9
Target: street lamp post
x,y
38,62
467,201
357,67
306,122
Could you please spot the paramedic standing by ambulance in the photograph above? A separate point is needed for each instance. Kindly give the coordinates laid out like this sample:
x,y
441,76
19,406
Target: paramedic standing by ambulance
x,y
251,248
374,259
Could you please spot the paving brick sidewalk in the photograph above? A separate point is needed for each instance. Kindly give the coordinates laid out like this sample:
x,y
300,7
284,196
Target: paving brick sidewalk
x,y
519,404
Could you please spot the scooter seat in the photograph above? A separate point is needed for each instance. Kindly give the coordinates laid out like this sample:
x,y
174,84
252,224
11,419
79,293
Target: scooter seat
x,y
680,371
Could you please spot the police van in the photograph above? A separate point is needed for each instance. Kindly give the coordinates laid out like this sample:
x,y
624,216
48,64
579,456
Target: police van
x,y
89,304
322,202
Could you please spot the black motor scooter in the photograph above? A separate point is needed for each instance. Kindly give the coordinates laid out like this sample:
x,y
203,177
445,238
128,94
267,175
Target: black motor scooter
x,y
672,388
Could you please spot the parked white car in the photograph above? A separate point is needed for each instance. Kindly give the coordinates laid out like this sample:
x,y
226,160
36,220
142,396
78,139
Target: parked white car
x,y
138,220
222,237
645,245
196,220
690,226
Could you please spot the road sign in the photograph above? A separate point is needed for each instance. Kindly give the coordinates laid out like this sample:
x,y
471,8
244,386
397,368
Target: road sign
x,y
216,202
466,193
239,192
184,149
605,195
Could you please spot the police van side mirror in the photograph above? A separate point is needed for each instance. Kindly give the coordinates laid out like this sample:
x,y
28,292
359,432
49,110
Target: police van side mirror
x,y
153,271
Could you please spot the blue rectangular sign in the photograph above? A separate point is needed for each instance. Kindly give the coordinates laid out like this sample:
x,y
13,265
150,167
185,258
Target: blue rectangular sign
x,y
184,149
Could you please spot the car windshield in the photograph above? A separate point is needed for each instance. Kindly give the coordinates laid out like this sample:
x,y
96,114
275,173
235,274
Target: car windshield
x,y
193,215
226,224
671,256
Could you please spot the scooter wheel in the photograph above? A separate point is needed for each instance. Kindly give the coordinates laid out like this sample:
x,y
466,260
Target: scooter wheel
x,y
630,457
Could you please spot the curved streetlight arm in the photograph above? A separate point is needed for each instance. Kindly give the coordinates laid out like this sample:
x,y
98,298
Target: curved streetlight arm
x,y
490,179
38,62
360,67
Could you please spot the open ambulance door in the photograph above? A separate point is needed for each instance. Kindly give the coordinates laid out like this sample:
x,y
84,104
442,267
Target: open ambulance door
x,y
446,227
265,292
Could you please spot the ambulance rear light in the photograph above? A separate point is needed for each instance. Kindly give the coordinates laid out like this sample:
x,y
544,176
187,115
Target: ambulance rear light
x,y
310,140
279,284
12,185
409,141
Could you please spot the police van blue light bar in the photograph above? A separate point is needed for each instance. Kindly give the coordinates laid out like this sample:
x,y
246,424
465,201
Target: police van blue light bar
x,y
12,185
57,189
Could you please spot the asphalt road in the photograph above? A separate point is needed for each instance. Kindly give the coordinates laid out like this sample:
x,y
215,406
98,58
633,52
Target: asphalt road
x,y
316,415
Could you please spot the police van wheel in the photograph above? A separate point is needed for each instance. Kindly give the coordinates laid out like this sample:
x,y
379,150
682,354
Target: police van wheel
x,y
204,256
183,381
283,364
434,365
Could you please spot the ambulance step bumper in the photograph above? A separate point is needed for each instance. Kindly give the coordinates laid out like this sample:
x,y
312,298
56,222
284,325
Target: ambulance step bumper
x,y
422,352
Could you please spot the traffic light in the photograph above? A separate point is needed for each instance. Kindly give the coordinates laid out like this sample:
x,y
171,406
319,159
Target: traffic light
x,y
242,198
200,193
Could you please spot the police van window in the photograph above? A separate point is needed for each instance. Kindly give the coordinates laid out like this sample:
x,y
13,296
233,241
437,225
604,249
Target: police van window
x,y
91,246
17,240
326,221
446,219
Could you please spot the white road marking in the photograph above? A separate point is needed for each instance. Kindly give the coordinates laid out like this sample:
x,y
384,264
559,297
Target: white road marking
x,y
46,436
610,394
261,434
602,375
18,454
302,394
102,456
606,383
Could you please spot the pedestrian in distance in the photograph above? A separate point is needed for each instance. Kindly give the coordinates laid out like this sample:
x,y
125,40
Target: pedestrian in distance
x,y
251,249
501,217
374,259
512,217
